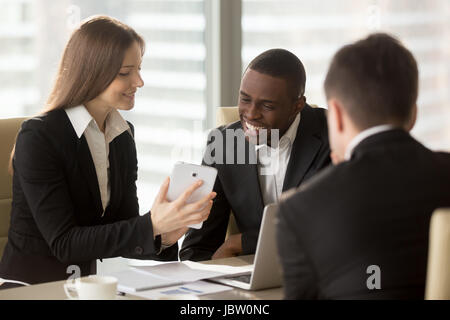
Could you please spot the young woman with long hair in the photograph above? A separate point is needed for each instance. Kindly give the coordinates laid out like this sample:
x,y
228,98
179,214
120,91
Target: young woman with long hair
x,y
75,168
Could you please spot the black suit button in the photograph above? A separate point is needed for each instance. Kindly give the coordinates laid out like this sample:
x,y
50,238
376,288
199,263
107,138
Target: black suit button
x,y
138,250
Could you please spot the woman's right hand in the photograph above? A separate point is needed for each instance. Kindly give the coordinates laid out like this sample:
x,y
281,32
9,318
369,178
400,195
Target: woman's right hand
x,y
169,216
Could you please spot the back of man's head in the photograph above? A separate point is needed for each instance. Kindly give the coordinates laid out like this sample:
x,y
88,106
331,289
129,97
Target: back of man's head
x,y
281,63
376,81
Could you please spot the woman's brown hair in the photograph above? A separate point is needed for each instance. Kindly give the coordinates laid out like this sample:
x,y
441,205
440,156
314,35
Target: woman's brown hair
x,y
91,60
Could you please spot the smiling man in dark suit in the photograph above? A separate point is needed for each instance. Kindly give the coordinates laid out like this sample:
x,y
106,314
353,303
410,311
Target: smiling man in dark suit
x,y
359,230
254,166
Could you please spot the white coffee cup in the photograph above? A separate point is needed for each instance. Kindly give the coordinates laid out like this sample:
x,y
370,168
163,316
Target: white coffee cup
x,y
92,288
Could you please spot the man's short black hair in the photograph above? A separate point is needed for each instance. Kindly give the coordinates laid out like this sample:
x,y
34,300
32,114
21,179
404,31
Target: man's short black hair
x,y
281,63
376,80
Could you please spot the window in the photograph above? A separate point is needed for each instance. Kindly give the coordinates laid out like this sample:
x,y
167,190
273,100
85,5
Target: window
x,y
170,111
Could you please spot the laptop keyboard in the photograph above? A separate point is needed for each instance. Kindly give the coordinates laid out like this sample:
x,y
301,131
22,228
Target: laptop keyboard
x,y
244,278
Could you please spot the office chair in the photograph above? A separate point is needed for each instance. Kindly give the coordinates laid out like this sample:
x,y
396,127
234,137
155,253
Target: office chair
x,y
438,270
8,132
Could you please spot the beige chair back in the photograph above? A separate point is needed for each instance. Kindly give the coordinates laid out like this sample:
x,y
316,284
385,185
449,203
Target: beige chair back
x,y
8,133
438,270
226,115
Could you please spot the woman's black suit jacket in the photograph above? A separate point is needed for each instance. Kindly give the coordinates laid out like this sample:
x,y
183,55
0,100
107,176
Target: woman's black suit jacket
x,y
56,217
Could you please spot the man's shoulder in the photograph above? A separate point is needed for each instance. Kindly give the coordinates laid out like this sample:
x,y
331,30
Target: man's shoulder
x,y
329,181
443,158
441,169
318,181
229,126
317,111
224,131
318,116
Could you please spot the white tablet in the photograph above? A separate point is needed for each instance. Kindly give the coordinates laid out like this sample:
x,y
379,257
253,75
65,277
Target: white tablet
x,y
185,174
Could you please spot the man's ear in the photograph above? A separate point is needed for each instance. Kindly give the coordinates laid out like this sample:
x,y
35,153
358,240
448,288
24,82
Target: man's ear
x,y
300,104
335,111
412,120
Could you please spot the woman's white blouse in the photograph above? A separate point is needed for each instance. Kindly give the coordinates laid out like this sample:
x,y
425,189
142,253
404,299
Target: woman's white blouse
x,y
98,142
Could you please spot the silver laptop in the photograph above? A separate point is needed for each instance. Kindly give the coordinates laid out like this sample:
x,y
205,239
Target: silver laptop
x,y
267,270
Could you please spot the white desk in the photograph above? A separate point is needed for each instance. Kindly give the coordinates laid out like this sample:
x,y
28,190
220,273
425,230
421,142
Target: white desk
x,y
55,290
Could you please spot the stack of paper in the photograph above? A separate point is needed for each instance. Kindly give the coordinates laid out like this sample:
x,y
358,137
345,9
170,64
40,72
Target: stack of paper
x,y
197,288
173,273
133,280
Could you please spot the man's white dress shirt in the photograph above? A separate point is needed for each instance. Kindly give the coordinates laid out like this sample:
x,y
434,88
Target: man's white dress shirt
x,y
273,162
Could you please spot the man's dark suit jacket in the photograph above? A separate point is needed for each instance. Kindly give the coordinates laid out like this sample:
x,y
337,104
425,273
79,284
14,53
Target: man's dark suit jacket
x,y
56,217
371,210
238,188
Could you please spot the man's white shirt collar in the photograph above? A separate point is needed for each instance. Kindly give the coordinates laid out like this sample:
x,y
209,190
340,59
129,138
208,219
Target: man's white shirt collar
x,y
80,119
364,135
98,143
